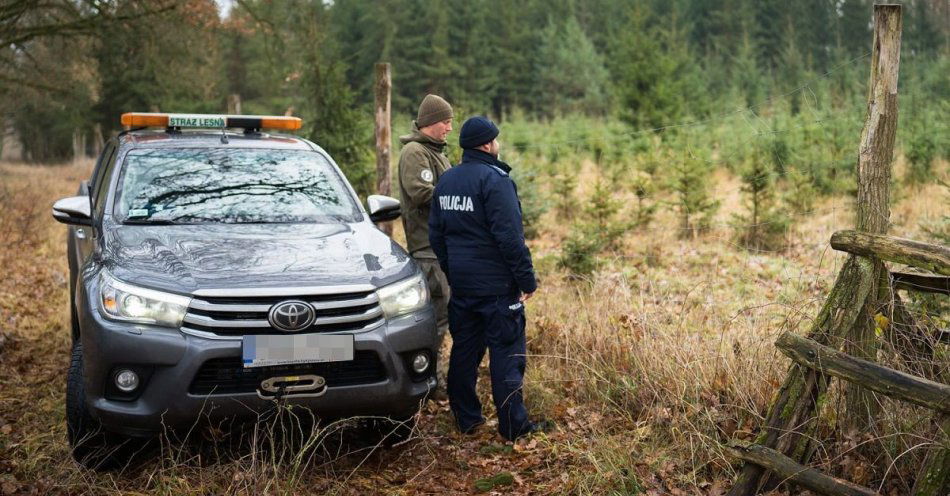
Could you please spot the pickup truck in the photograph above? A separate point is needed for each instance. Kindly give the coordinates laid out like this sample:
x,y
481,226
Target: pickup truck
x,y
215,269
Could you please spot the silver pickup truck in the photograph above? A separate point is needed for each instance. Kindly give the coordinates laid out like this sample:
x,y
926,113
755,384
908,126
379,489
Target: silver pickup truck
x,y
214,271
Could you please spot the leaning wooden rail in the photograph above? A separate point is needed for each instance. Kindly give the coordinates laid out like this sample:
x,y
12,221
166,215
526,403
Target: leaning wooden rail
x,y
921,283
875,377
791,470
935,258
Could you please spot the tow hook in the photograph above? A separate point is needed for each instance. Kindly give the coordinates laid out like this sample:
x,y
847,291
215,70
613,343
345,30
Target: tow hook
x,y
292,386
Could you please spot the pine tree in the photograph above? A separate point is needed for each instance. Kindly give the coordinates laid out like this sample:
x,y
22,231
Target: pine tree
x,y
600,214
689,182
656,79
573,70
333,118
644,187
763,227
169,62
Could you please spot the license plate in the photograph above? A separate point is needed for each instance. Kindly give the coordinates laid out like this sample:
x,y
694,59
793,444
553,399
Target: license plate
x,y
263,350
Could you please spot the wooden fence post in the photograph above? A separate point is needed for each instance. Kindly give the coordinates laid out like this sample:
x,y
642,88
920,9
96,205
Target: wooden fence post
x,y
875,156
383,134
848,312
234,104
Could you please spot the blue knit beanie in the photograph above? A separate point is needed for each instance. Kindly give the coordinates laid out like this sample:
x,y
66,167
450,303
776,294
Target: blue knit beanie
x,y
477,131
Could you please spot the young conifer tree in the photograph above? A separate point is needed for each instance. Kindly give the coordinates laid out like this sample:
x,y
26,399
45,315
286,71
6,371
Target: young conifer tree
x,y
644,187
689,182
601,212
763,226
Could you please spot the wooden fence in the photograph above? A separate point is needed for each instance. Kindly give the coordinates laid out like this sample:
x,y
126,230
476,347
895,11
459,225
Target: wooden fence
x,y
864,289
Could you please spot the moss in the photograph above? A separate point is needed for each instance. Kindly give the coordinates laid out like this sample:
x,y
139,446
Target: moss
x,y
794,391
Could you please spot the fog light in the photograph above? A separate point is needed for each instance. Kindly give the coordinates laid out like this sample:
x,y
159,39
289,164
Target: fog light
x,y
126,381
420,362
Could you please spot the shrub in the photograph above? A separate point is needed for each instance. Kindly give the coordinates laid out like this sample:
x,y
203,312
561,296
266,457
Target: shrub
x,y
579,251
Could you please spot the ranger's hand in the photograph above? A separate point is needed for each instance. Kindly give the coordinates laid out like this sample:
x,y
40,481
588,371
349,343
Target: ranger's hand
x,y
525,297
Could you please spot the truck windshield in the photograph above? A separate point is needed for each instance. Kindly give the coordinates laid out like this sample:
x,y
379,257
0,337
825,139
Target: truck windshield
x,y
231,185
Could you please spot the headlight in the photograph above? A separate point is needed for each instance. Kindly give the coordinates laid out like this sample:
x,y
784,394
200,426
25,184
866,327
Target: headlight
x,y
404,296
121,301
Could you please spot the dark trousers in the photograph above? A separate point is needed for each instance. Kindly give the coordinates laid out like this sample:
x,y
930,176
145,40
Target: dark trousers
x,y
498,323
438,291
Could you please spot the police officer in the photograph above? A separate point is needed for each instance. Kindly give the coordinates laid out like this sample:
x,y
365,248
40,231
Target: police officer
x,y
476,232
421,163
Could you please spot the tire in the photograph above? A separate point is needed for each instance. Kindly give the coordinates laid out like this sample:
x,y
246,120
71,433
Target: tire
x,y
73,320
90,446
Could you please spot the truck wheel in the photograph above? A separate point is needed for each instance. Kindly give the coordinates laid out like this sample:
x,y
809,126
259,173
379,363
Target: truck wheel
x,y
73,321
91,447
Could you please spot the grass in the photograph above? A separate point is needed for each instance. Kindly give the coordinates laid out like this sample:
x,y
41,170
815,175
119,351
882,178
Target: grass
x,y
647,367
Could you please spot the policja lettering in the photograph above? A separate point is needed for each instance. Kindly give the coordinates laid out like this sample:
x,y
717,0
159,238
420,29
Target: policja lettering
x,y
459,203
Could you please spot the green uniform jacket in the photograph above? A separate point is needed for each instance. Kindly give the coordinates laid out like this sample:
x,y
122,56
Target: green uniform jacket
x,y
421,163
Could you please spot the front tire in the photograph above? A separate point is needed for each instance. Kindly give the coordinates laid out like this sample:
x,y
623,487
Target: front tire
x,y
90,446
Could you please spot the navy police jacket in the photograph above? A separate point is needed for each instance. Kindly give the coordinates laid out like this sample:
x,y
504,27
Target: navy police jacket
x,y
475,229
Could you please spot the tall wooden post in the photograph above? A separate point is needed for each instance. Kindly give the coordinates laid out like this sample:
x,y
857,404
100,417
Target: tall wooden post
x,y
383,134
234,104
848,312
875,157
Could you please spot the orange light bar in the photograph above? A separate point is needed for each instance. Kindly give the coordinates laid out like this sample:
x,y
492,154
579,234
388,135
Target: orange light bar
x,y
142,119
145,119
281,122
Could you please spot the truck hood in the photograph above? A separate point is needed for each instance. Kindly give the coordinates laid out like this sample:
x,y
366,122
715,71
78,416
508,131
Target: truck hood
x,y
185,258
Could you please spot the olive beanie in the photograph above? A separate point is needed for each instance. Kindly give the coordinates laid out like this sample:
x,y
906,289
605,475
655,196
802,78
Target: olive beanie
x,y
433,109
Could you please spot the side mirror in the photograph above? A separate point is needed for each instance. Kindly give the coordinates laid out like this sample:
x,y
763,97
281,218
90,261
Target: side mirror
x,y
383,208
74,210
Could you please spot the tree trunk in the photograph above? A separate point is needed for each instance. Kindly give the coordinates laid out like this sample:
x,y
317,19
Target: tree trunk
x,y
875,157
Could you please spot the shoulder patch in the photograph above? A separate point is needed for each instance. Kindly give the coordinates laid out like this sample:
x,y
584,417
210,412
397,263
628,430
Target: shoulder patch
x,y
426,175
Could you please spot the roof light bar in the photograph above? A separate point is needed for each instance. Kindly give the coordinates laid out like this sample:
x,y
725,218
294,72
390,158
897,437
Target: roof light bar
x,y
146,119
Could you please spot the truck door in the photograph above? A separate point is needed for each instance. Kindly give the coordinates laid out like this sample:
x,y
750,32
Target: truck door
x,y
85,236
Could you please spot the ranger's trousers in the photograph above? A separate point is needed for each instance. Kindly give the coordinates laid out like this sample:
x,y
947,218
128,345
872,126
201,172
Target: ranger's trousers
x,y
438,291
498,324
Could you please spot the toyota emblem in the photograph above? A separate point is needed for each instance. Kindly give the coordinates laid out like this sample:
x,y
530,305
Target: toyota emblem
x,y
293,315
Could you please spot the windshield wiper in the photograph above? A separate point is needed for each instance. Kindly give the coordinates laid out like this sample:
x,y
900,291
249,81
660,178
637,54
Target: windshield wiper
x,y
154,222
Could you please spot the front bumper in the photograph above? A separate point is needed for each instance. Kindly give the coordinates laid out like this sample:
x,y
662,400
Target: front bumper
x,y
173,360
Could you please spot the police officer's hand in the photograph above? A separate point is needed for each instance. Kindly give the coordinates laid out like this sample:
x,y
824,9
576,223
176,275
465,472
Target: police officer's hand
x,y
525,297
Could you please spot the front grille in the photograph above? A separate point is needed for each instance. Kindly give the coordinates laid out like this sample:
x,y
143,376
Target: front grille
x,y
239,315
228,375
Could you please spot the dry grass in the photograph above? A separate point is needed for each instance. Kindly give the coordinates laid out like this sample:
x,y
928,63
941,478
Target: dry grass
x,y
646,368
